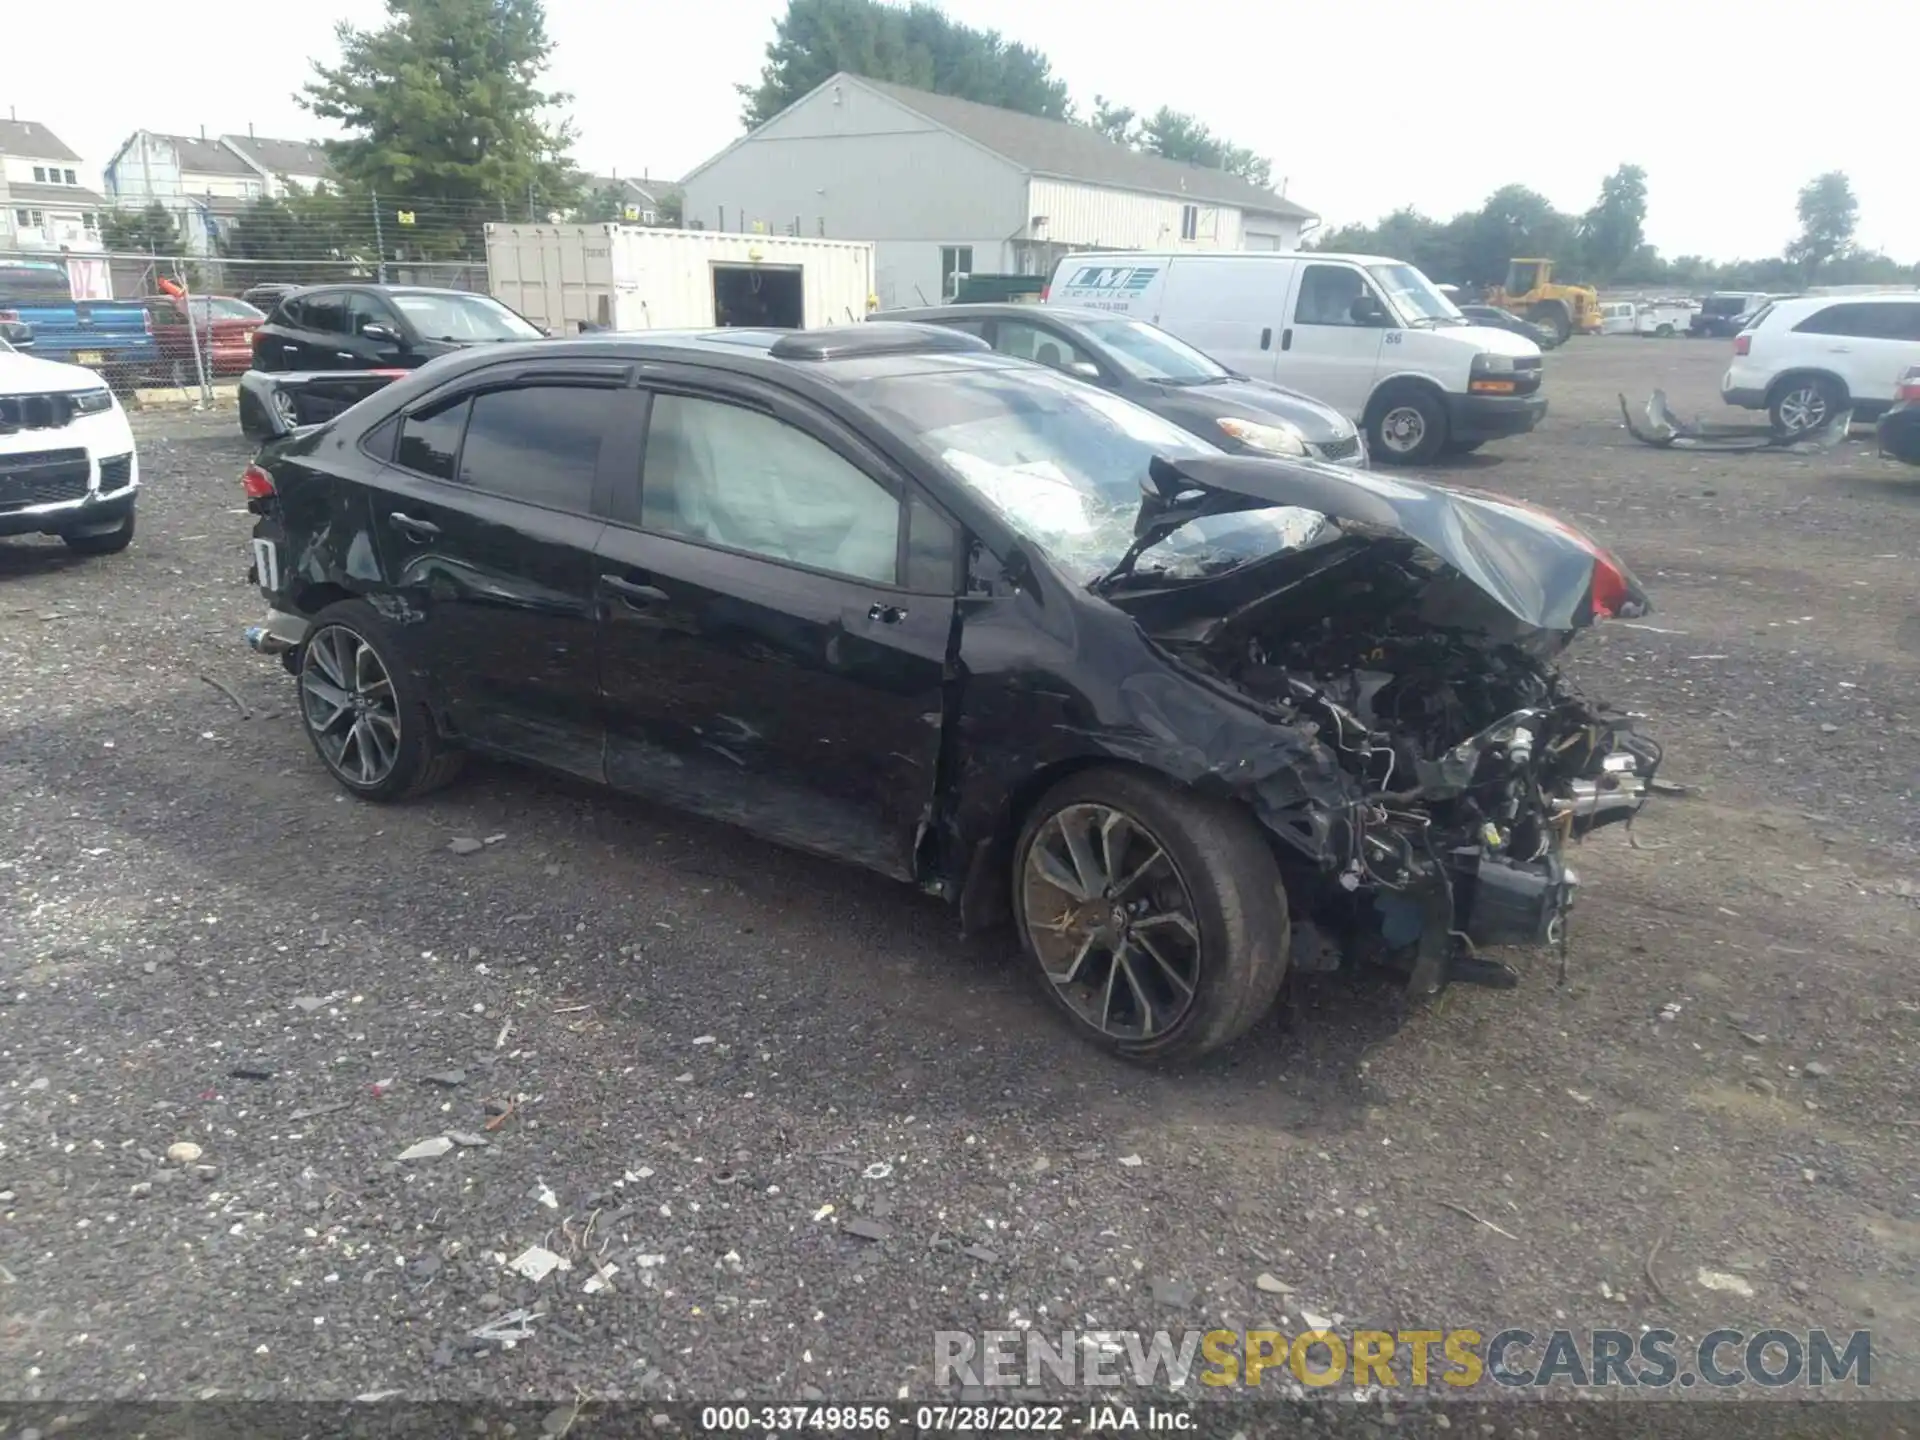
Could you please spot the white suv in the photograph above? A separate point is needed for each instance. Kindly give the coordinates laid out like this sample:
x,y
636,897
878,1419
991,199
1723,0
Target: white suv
x,y
67,464
1807,359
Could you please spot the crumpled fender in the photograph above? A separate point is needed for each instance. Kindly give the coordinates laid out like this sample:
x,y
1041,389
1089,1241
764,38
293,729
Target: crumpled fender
x,y
1661,428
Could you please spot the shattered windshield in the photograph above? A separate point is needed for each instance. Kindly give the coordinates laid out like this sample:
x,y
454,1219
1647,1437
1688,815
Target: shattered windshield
x,y
1065,463
1412,295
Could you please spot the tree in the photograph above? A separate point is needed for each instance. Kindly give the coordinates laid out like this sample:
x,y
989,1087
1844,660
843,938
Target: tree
x,y
443,103
1177,136
151,231
1612,231
914,45
1828,215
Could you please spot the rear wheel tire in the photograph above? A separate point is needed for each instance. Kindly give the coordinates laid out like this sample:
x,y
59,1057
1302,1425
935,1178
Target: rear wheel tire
x,y
1155,919
364,712
109,542
1804,405
1408,427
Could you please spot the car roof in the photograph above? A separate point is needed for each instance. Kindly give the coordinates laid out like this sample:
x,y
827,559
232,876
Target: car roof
x,y
831,355
1795,304
996,310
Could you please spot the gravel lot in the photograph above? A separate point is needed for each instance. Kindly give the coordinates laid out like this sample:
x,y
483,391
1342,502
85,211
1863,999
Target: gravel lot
x,y
708,1041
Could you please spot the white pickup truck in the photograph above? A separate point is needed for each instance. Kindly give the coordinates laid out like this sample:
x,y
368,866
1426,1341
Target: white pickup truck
x,y
1663,319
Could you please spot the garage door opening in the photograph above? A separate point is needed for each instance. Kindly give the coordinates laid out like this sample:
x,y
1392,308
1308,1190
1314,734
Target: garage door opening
x,y
759,295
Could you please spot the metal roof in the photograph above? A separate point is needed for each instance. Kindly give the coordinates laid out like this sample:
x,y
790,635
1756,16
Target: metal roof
x,y
1079,152
205,157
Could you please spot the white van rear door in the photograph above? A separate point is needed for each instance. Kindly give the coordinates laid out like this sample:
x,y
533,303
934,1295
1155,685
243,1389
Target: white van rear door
x,y
1328,354
1232,309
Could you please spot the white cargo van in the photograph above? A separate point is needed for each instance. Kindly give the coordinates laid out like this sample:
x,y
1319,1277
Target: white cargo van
x,y
1370,336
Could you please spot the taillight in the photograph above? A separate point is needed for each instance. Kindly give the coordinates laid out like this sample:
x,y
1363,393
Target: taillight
x,y
257,483
146,320
1742,344
1909,390
1609,587
1043,293
13,315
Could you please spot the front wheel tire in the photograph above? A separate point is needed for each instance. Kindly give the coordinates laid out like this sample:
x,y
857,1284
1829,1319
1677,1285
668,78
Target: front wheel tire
x,y
107,542
1408,428
363,711
1155,919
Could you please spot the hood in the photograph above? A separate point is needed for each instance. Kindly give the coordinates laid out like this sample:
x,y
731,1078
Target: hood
x,y
27,373
1492,340
1196,407
1543,571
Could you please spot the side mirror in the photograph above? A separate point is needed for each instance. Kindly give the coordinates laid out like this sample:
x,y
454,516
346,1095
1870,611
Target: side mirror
x,y
1365,310
1083,369
379,334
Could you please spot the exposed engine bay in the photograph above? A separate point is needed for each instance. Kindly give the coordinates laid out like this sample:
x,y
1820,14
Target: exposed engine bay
x,y
1473,762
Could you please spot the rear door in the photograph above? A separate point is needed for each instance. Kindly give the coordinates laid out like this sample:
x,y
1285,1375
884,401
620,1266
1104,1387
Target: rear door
x,y
486,531
1332,355
320,342
778,603
1236,311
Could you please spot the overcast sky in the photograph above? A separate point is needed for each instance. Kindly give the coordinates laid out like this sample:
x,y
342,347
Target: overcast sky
x,y
1363,107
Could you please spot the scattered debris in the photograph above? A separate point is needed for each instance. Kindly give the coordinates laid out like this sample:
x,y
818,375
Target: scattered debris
x,y
250,1072
601,1279
448,1079
495,839
467,1140
1132,1162
537,1262
862,1228
309,1003
1720,1280
246,711
1653,1279
1272,1285
499,1117
1315,1322
1665,430
465,845
508,1329
822,1213
703,1040
980,1253
879,1170
1460,1209
184,1152
1816,1069
1753,1037
544,1194
431,1148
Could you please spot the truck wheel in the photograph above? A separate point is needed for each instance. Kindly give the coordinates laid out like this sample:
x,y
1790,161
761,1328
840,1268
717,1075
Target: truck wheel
x,y
1408,427
1554,318
1156,919
1665,332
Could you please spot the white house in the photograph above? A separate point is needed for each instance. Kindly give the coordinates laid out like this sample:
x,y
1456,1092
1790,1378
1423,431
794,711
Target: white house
x,y
946,187
202,182
43,203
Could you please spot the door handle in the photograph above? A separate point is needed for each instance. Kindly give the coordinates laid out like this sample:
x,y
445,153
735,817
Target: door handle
x,y
1266,337
631,592
1839,349
886,614
346,355
289,349
1286,338
418,529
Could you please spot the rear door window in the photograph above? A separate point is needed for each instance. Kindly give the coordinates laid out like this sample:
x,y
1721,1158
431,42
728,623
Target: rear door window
x,y
1856,320
430,439
325,313
541,443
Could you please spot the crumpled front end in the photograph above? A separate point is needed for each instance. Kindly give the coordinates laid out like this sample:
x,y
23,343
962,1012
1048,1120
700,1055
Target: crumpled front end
x,y
1472,764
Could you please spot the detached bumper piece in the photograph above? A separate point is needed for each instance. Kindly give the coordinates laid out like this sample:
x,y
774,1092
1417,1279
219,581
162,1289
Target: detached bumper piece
x,y
1659,427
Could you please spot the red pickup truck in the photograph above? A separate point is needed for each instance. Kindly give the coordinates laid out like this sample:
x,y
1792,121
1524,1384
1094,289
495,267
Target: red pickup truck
x,y
225,329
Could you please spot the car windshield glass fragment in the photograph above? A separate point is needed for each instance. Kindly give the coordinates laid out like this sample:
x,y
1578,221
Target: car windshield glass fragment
x,y
462,317
1065,465
1412,294
1146,352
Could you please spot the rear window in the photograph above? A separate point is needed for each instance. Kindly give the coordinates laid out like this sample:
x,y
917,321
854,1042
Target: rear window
x,y
1724,304
430,440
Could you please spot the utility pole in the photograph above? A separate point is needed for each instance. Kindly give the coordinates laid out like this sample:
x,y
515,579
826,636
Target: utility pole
x,y
379,237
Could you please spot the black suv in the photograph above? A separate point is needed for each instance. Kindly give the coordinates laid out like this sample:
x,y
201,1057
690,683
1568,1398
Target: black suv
x,y
379,327
879,593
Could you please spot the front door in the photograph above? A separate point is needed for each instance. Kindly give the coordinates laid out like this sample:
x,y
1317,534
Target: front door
x,y
487,535
1335,352
778,606
363,309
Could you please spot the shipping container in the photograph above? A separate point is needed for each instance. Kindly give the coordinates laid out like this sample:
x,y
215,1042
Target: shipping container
x,y
632,277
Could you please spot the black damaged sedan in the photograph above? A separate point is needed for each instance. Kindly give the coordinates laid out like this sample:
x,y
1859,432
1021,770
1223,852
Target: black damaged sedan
x,y
1183,719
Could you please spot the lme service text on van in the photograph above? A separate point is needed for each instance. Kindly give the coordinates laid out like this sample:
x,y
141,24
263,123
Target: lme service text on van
x,y
1239,1361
